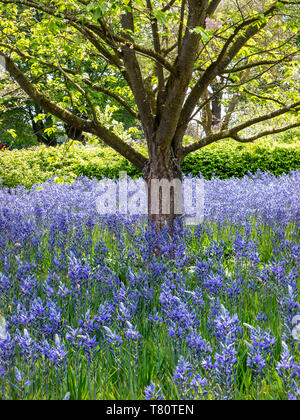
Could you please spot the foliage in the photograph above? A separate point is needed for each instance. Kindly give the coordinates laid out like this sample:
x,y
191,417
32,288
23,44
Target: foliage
x,y
230,159
164,64
66,162
71,160
22,136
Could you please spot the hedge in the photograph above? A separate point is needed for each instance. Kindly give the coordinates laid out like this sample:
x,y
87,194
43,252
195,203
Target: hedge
x,y
224,159
230,159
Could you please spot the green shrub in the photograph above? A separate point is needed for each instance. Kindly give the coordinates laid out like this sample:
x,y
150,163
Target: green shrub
x,y
33,166
224,159
229,159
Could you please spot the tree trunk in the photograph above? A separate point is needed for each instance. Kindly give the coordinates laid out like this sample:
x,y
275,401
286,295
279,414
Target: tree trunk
x,y
164,186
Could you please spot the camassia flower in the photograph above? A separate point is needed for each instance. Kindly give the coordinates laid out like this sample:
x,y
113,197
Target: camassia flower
x,y
100,306
260,349
189,384
153,392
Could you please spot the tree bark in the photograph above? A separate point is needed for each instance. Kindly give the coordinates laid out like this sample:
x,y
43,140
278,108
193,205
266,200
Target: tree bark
x,y
163,176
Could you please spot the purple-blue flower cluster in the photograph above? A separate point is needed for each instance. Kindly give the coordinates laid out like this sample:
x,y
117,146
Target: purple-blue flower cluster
x,y
98,307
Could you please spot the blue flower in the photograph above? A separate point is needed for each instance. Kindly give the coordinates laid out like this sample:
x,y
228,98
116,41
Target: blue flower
x,y
153,392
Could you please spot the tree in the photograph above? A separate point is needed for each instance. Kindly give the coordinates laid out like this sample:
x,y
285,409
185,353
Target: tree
x,y
31,125
165,84
13,116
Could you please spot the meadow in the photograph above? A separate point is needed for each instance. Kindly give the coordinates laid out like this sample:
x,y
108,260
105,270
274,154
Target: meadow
x,y
103,308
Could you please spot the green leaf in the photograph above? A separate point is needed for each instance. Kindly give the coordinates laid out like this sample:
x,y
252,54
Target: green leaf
x,y
280,6
97,13
161,17
13,133
205,35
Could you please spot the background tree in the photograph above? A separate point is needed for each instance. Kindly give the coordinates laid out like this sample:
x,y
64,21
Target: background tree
x,y
29,122
165,84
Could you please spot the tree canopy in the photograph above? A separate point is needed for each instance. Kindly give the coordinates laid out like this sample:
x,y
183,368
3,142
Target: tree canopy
x,y
164,63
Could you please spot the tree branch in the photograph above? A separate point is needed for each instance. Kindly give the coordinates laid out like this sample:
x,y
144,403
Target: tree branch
x,y
264,98
113,95
168,6
233,103
117,41
159,67
135,75
214,4
231,48
88,126
178,83
258,64
234,132
268,133
180,31
266,117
